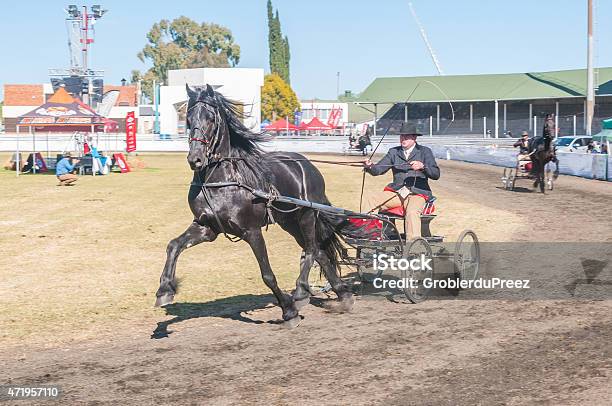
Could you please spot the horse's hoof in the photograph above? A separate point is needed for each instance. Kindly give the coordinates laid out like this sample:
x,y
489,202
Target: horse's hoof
x,y
299,304
292,323
342,305
164,300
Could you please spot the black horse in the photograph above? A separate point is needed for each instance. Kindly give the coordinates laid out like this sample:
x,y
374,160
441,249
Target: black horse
x,y
539,159
542,152
222,149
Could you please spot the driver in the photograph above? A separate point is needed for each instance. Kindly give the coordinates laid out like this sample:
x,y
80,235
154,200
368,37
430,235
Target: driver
x,y
364,141
412,165
523,145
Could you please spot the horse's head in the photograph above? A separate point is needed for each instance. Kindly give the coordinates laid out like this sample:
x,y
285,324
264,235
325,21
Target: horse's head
x,y
203,124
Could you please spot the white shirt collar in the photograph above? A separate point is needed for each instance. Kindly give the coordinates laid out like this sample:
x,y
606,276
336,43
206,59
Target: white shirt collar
x,y
408,151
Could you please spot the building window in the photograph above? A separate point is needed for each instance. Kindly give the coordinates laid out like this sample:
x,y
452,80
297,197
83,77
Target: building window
x,y
306,114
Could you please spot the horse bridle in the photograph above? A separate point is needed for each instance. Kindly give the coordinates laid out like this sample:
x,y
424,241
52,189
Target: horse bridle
x,y
216,124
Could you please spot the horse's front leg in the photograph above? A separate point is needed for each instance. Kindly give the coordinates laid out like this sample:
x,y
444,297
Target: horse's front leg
x,y
255,239
194,235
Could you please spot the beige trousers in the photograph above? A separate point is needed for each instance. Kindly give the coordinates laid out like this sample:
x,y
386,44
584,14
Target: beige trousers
x,y
67,179
413,207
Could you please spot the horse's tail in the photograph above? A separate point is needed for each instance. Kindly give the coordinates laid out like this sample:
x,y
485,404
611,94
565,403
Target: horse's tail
x,y
332,231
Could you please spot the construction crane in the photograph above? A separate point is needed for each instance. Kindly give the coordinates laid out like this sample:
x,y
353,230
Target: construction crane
x,y
424,35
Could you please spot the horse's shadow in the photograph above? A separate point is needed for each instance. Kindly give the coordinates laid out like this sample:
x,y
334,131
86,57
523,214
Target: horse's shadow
x,y
229,308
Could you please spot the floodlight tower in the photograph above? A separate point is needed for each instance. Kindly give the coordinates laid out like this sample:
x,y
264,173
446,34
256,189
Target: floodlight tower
x,y
79,24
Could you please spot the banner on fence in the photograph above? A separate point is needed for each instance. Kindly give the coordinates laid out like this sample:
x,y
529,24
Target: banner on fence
x,y
130,132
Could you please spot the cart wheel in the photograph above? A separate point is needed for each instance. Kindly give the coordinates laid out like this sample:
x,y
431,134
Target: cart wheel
x,y
504,177
508,179
512,179
417,292
367,274
467,256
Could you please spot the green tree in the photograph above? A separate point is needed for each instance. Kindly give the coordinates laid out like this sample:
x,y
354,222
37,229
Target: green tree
x,y
286,58
183,43
278,46
277,98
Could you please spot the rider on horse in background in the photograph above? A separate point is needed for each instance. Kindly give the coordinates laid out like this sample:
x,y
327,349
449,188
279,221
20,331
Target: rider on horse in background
x,y
412,165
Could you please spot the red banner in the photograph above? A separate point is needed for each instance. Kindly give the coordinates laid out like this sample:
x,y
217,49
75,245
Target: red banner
x,y
121,163
130,132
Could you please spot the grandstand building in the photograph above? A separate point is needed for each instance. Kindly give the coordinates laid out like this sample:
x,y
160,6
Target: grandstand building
x,y
501,103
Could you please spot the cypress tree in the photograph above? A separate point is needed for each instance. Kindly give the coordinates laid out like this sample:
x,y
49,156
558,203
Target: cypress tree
x,y
272,38
287,57
279,46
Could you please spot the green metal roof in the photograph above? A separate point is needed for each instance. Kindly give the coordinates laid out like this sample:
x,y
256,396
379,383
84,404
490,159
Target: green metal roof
x,y
510,86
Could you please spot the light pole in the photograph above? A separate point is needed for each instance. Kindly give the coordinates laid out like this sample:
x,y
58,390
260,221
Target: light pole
x,y
590,102
337,84
156,104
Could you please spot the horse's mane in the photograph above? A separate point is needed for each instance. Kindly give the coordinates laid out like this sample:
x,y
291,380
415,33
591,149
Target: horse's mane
x,y
244,143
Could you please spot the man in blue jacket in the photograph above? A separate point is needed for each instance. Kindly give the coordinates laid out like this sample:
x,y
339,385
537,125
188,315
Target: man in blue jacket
x,y
412,165
64,168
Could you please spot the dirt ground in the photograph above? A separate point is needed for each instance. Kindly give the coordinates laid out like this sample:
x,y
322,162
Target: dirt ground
x,y
81,266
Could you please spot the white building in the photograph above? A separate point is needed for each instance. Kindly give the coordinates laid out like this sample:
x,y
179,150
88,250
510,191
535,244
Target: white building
x,y
323,111
237,84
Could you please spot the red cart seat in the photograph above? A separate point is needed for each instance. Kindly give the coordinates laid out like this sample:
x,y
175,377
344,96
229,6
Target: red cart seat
x,y
428,209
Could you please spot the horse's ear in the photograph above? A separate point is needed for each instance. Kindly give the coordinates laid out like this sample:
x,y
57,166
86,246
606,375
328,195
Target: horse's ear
x,y
209,90
190,92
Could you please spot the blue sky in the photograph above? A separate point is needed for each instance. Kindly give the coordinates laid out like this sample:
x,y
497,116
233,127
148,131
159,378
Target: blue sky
x,y
361,39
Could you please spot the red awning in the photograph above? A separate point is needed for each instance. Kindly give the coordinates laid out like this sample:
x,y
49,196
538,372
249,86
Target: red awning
x,y
280,125
316,125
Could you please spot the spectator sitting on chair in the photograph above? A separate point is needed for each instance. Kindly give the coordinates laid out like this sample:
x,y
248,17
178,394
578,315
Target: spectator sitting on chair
x,y
64,169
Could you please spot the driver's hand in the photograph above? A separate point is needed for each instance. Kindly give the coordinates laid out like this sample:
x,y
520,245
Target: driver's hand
x,y
367,163
417,165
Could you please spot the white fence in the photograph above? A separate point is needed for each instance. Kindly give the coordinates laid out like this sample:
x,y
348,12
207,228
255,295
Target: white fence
x,y
592,166
477,150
